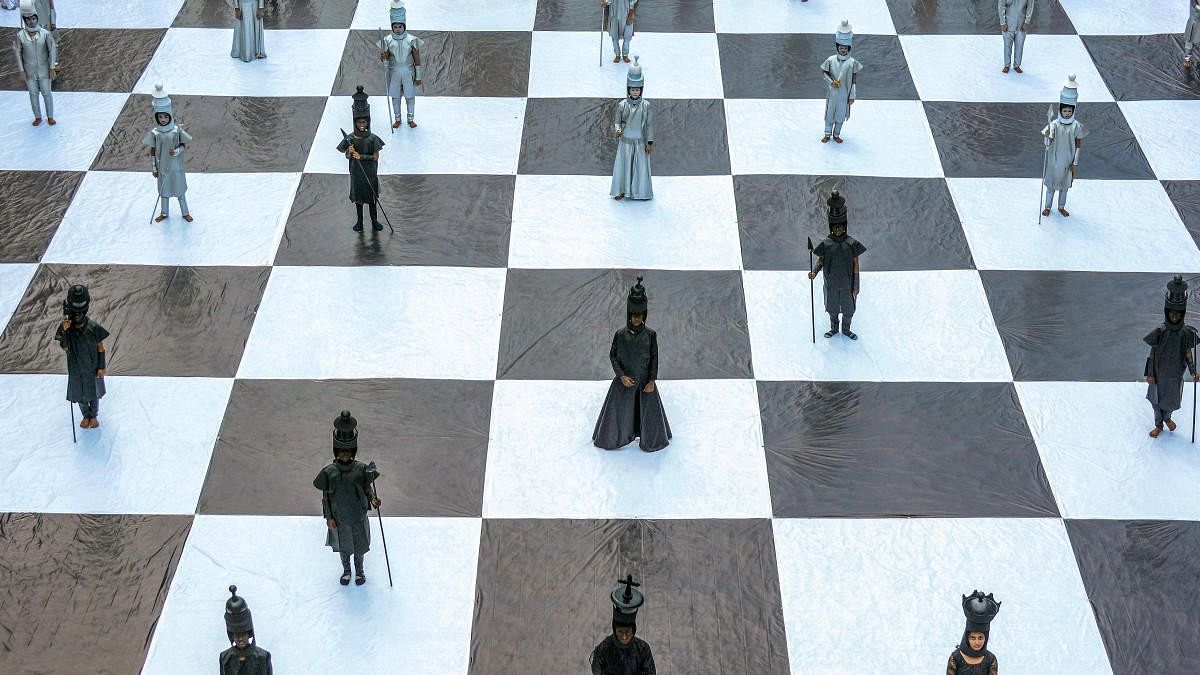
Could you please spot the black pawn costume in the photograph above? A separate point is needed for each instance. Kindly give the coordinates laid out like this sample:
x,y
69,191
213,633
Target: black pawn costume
x,y
248,660
837,256
1171,346
631,412
83,343
610,657
364,172
979,609
346,494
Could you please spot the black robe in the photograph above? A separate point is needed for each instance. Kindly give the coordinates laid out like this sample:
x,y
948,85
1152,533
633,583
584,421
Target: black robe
x,y
258,661
82,359
347,487
838,268
629,412
1169,346
959,666
612,658
364,182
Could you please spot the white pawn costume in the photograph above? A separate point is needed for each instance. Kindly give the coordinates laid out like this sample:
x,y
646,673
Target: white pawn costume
x,y
1014,17
841,79
402,53
635,140
619,19
45,12
1191,34
168,151
1064,138
248,38
37,59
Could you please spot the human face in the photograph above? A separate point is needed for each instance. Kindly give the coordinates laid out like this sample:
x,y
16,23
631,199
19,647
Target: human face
x,y
163,119
1174,317
398,28
636,319
839,229
976,640
344,456
624,634
360,124
241,640
635,92
843,50
31,22
1067,112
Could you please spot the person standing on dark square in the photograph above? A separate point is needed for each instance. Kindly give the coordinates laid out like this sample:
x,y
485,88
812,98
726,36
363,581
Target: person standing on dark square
x,y
347,495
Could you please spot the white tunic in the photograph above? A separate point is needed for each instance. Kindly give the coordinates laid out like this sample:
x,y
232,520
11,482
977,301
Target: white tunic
x,y
1062,153
837,99
1013,13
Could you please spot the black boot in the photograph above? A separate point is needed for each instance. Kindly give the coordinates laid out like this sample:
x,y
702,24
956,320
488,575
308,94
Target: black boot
x,y
846,328
833,326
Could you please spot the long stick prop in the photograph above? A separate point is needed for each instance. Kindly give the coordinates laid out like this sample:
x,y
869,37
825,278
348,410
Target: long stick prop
x,y
382,536
387,83
603,27
1045,162
812,302
75,440
374,195
1193,394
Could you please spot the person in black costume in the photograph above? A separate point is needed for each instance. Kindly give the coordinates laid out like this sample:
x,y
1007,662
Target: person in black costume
x,y
1172,348
82,339
633,408
361,148
838,257
622,653
347,495
244,656
972,656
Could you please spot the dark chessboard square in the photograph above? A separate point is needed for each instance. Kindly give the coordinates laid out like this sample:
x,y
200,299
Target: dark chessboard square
x,y
456,63
905,223
659,16
33,205
712,594
1137,574
879,449
164,321
1076,326
1185,195
84,592
1004,140
1143,67
448,220
278,14
559,324
109,60
428,437
243,134
789,66
971,17
574,136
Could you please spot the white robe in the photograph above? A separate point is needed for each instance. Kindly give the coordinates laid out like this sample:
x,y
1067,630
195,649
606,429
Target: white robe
x,y
172,177
1191,32
248,38
837,99
1062,153
631,168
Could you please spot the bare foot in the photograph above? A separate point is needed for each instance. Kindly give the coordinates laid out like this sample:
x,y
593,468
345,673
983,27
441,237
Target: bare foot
x,y
837,139
1004,69
188,218
1063,211
1187,63
1018,69
37,121
1045,212
161,217
51,121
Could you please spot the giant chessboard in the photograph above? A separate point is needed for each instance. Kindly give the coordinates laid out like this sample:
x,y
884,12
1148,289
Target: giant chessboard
x,y
822,506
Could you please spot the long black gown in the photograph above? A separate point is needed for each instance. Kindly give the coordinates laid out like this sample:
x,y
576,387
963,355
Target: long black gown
x,y
612,658
958,666
629,412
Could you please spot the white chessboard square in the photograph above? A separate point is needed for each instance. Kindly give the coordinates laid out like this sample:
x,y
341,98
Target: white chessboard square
x,y
84,120
196,61
457,135
1166,132
882,138
14,279
1094,441
1109,224
108,14
924,326
387,322
289,580
149,455
108,222
1122,17
923,566
793,16
715,466
571,222
452,15
567,64
967,68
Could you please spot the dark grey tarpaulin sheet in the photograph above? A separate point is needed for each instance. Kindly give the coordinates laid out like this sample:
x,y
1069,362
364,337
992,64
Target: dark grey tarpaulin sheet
x,y
660,16
712,594
279,14
90,59
1143,67
31,209
1185,195
967,17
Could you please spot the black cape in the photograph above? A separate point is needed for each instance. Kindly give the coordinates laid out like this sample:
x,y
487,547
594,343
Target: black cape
x,y
258,661
629,412
348,505
1167,362
611,658
82,360
364,182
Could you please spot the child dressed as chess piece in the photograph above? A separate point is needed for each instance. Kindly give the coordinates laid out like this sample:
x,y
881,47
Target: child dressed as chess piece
x,y
402,52
168,153
1064,138
1015,16
249,41
634,129
841,79
837,256
1191,33
1172,349
633,409
972,657
623,653
37,61
361,148
244,656
619,19
347,495
82,338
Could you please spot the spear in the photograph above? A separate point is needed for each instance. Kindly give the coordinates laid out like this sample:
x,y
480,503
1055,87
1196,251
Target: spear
x,y
374,195
382,536
812,303
1045,160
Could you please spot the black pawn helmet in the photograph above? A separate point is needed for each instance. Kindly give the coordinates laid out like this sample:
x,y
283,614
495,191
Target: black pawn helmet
x,y
237,615
1177,295
837,209
626,600
361,107
78,300
345,433
637,301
